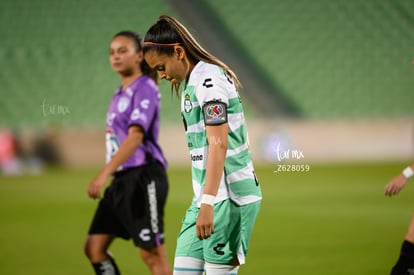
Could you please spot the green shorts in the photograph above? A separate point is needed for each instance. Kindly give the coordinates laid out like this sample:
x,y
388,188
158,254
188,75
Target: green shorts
x,y
233,227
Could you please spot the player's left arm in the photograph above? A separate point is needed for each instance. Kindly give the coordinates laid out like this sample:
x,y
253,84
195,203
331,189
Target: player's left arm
x,y
217,138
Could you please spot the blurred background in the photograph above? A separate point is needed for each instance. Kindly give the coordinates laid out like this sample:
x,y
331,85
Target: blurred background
x,y
327,85
332,79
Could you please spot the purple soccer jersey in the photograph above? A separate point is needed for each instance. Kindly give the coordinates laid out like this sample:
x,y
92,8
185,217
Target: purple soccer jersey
x,y
139,104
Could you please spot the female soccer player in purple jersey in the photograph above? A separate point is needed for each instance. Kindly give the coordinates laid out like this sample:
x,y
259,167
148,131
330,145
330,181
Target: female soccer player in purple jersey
x,y
133,204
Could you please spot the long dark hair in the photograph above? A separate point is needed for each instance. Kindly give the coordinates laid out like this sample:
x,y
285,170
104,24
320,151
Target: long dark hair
x,y
136,38
167,32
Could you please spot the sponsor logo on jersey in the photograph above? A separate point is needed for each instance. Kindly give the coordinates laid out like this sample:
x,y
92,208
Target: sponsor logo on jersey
x,y
228,77
110,118
152,197
136,114
112,144
196,157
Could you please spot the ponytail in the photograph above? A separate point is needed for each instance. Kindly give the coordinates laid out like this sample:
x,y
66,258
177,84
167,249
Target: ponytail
x,y
167,32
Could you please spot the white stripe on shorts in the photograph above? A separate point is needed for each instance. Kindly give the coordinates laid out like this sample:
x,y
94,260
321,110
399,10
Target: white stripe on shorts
x,y
188,266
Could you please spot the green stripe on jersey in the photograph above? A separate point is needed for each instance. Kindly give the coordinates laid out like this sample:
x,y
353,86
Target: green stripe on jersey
x,y
199,175
235,106
236,138
236,161
245,188
196,140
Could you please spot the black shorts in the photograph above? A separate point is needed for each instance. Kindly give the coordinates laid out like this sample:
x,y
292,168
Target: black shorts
x,y
133,206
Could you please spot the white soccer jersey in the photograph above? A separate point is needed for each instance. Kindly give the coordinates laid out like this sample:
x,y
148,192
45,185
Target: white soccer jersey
x,y
209,94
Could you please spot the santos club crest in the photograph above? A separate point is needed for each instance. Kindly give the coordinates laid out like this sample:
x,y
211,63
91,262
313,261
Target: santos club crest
x,y
187,103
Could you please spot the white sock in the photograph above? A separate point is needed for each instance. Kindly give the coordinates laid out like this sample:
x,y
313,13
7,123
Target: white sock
x,y
220,269
188,266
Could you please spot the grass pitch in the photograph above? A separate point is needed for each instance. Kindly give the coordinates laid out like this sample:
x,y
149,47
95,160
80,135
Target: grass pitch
x,y
330,220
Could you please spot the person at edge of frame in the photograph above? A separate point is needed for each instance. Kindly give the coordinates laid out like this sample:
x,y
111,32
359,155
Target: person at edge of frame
x,y
405,262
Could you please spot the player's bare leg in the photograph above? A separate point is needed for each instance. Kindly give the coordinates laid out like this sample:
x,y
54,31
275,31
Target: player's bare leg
x,y
410,233
156,260
405,263
96,249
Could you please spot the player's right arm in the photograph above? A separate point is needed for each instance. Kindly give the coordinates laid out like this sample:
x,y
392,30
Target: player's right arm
x,y
127,148
397,183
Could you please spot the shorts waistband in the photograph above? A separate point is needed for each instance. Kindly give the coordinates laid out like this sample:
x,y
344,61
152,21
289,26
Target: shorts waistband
x,y
134,168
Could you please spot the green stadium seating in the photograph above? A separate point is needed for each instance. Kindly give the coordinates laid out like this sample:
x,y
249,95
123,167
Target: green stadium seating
x,y
54,57
335,59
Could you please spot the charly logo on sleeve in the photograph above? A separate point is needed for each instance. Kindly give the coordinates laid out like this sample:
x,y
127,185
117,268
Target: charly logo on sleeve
x,y
145,103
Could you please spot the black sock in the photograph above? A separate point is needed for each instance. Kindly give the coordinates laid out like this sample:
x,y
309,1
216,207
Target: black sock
x,y
405,263
107,267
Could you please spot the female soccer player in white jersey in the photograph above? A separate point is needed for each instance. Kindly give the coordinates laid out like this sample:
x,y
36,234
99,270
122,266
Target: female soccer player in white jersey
x,y
133,204
217,227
